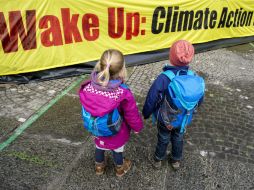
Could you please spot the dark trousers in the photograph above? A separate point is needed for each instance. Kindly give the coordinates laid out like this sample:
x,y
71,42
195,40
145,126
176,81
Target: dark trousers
x,y
117,156
164,137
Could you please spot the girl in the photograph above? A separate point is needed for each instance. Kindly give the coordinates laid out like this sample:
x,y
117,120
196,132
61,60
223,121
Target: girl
x,y
97,94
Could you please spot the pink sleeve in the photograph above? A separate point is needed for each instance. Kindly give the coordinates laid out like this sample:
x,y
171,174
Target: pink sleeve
x,y
130,112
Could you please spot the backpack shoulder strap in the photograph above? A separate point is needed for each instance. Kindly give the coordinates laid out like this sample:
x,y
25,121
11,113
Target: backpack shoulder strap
x,y
190,72
169,74
125,86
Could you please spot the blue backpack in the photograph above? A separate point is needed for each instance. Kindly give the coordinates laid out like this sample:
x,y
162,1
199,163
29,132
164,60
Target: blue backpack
x,y
185,91
107,125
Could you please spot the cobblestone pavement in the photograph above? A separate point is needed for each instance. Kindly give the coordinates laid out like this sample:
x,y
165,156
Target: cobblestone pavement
x,y
55,152
19,102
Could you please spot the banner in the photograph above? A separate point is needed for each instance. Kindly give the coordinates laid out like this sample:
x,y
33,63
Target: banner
x,y
37,35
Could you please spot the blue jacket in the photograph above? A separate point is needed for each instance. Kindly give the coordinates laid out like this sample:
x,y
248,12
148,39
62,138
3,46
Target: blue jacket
x,y
158,90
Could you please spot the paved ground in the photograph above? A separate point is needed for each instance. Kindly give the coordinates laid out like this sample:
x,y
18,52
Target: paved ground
x,y
54,152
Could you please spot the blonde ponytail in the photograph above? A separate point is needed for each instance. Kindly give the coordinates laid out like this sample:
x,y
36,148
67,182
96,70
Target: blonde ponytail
x,y
110,66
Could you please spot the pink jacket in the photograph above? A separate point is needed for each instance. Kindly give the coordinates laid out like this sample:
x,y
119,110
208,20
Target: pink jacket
x,y
99,102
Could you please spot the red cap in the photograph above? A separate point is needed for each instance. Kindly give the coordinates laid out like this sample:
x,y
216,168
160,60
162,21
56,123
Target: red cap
x,y
181,53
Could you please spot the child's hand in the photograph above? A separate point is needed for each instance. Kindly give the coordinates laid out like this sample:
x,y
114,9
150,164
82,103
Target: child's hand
x,y
136,132
169,127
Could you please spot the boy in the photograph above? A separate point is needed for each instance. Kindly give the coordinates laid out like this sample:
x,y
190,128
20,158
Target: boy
x,y
181,54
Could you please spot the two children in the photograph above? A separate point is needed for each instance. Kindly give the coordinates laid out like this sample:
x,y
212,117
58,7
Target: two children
x,y
106,92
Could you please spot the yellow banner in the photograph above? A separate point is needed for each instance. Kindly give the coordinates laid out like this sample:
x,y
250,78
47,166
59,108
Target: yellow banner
x,y
37,35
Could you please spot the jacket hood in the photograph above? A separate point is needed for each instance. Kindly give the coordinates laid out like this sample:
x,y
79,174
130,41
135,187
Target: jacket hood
x,y
100,102
174,68
112,84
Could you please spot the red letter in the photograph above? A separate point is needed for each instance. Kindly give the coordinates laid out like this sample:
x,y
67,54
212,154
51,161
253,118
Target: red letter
x,y
92,34
130,17
114,32
51,23
10,41
70,27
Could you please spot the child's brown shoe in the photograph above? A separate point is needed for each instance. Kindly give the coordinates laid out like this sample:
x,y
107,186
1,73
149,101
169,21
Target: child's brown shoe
x,y
156,163
175,164
123,169
99,168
